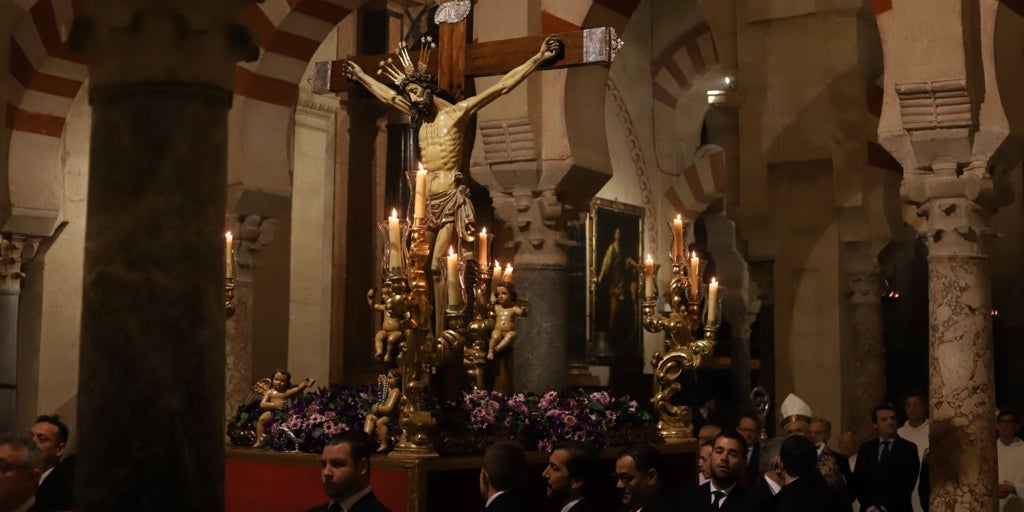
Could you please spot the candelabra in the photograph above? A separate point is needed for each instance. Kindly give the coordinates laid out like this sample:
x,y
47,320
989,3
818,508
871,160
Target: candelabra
x,y
433,325
682,351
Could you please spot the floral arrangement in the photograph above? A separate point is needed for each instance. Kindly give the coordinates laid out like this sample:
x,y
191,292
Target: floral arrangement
x,y
537,421
541,421
308,420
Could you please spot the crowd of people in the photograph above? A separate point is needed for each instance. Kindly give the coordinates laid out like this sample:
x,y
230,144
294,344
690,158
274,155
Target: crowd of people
x,y
736,471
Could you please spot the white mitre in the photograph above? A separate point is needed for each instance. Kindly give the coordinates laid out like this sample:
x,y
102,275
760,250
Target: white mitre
x,y
793,408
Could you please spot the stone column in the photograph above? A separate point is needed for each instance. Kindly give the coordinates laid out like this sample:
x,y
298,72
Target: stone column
x,y
151,382
865,387
540,361
957,202
15,250
252,234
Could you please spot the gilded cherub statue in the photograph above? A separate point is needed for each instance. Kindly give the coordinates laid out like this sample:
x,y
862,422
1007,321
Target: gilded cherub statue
x,y
280,391
507,308
390,329
442,128
384,411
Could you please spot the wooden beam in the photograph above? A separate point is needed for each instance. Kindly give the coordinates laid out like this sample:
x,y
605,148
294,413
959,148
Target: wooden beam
x,y
584,47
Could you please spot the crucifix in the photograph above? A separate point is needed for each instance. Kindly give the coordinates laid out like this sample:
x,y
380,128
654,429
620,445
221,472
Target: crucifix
x,y
441,125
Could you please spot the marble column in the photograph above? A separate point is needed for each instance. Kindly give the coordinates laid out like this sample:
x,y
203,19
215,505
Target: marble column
x,y
151,380
865,387
957,201
252,233
15,250
540,360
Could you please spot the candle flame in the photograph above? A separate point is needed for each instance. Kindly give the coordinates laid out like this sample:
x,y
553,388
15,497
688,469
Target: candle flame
x,y
394,213
483,231
693,255
508,268
228,235
679,217
497,264
451,251
421,169
649,258
714,281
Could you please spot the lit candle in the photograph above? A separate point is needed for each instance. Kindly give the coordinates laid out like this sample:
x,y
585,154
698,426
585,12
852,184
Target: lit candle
x,y
229,263
507,276
481,250
495,278
454,293
649,277
394,241
694,273
677,239
420,205
713,301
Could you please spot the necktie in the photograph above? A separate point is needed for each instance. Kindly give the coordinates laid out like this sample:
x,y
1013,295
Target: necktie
x,y
884,449
717,503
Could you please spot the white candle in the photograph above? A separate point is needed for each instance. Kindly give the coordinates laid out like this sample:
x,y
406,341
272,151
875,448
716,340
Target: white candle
x,y
229,245
454,292
713,301
420,204
649,277
394,241
677,239
495,278
507,276
694,274
481,249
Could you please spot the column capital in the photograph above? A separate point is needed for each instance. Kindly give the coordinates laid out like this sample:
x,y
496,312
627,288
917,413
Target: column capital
x,y
539,223
958,201
15,250
254,232
172,41
863,274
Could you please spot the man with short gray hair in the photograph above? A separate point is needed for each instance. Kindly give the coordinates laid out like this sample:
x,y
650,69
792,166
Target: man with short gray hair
x,y
21,463
763,491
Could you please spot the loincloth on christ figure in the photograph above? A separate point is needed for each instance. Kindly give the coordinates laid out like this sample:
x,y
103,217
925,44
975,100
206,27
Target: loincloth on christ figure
x,y
452,206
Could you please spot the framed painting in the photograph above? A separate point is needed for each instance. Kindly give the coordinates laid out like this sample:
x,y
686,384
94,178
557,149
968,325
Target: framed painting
x,y
615,263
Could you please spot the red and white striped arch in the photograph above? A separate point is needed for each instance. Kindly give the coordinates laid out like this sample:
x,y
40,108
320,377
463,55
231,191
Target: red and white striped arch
x,y
43,79
676,74
703,180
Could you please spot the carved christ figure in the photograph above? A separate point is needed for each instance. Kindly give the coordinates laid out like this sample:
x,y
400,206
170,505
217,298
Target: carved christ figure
x,y
441,128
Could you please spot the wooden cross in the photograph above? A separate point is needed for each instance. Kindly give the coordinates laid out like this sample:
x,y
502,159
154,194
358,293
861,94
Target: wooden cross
x,y
454,60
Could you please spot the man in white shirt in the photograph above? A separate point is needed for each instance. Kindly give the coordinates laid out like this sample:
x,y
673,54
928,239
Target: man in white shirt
x,y
916,431
1010,456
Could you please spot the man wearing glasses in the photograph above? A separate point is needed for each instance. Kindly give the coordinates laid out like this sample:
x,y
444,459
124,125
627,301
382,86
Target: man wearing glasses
x,y
20,465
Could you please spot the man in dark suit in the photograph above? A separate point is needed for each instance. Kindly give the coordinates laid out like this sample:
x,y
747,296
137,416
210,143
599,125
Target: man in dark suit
x,y
805,489
56,484
571,475
638,470
761,497
346,474
722,492
747,426
887,466
504,470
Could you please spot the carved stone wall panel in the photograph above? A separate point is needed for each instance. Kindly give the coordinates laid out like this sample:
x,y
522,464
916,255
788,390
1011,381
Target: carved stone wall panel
x,y
508,140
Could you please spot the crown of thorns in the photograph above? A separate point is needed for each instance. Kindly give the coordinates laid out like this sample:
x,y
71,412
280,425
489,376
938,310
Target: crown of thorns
x,y
408,72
